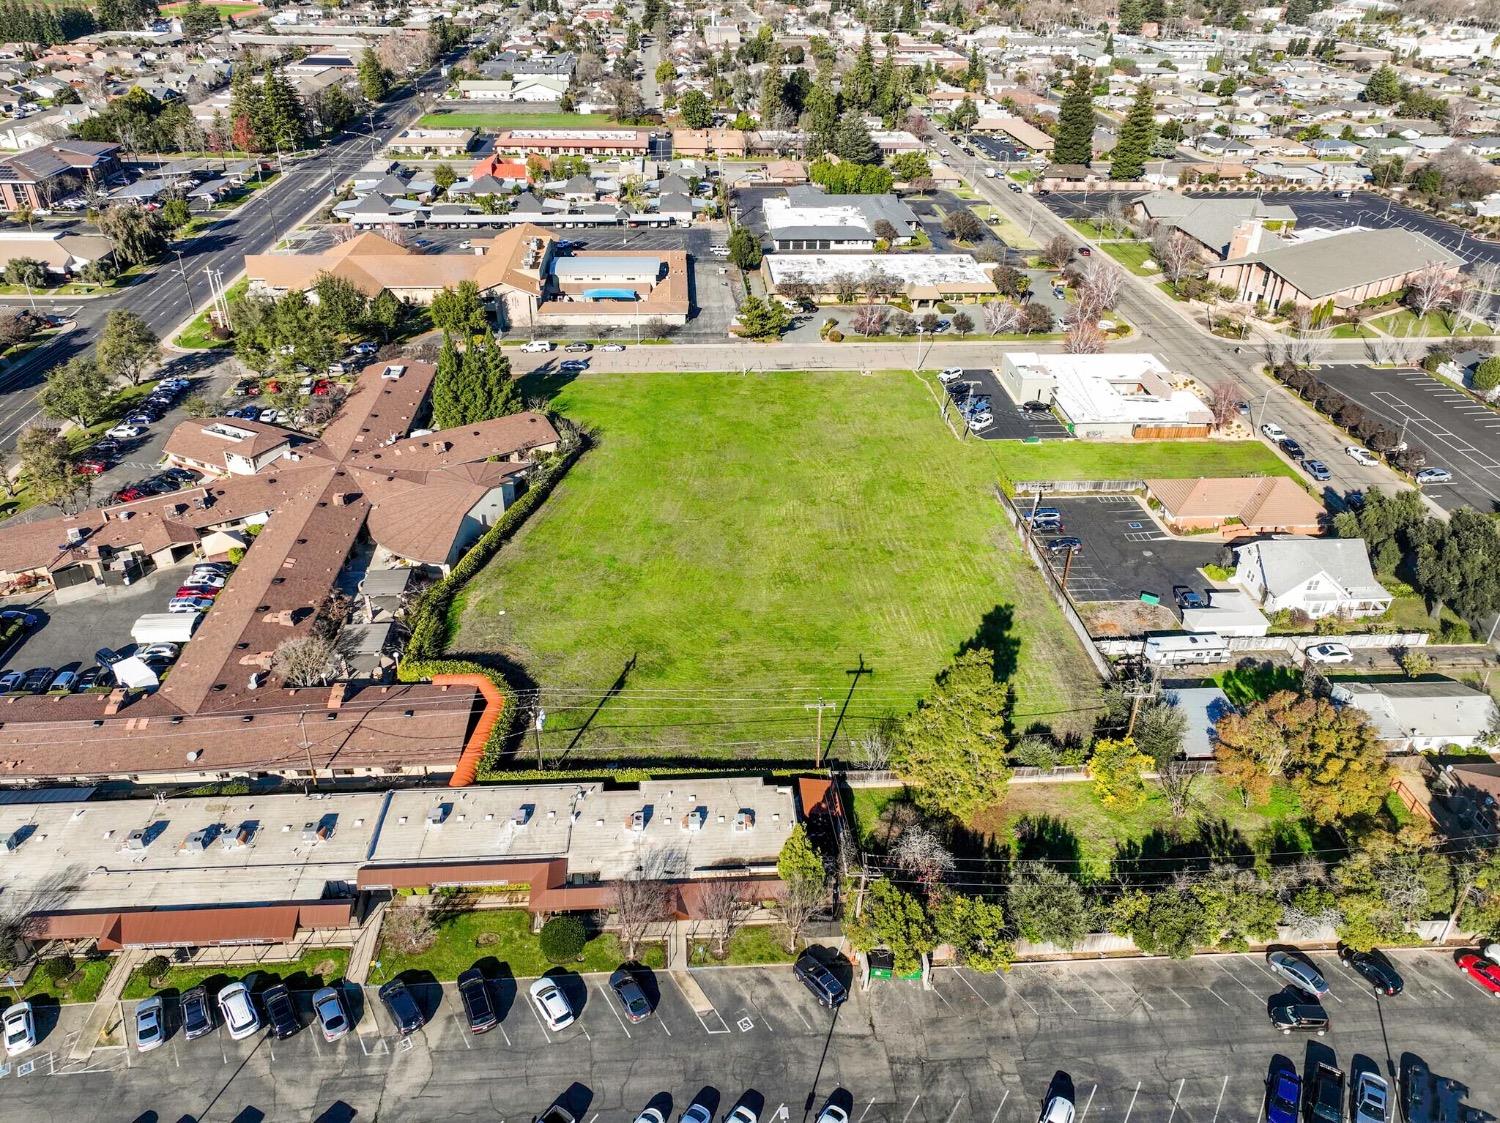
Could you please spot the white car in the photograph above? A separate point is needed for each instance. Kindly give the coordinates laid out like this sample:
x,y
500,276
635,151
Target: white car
x,y
1330,653
1059,1109
832,1113
951,374
238,1011
150,1025
551,1004
1372,1099
649,1115
741,1114
271,416
19,1029
168,651
696,1114
613,347
1274,431
1360,455
537,347
1434,476
126,432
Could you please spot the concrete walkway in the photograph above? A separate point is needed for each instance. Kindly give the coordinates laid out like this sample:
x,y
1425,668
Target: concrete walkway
x,y
677,967
363,952
106,1016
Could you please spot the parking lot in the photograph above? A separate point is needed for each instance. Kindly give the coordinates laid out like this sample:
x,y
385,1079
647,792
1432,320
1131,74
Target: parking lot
x,y
1457,432
1011,422
1142,1040
1124,552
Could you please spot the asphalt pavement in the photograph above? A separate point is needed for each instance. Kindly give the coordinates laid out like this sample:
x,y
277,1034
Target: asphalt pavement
x,y
1139,1040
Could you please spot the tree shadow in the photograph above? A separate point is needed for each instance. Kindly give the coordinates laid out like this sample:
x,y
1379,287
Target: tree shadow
x,y
996,635
1048,838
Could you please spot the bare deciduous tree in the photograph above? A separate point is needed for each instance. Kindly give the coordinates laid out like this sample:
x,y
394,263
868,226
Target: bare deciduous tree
x,y
1175,252
727,903
1428,289
408,929
1176,780
1000,317
1058,250
869,319
1098,284
845,285
1224,403
642,900
1083,338
304,660
921,852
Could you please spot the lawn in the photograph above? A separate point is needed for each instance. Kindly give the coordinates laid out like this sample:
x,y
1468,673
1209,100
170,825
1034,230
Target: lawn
x,y
196,335
223,7
1090,460
1097,234
82,986
459,947
1246,685
1132,255
1351,331
1010,232
496,119
764,943
735,546
1066,822
866,807
315,969
1434,323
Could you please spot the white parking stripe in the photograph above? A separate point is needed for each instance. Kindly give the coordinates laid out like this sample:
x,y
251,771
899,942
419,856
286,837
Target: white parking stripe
x,y
1133,1095
611,1005
954,1112
909,1110
1175,1097
1220,1104
1016,991
998,1107
966,983
1232,975
1090,1104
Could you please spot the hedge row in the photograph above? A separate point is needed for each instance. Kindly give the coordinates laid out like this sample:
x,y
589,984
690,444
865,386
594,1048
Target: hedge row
x,y
423,657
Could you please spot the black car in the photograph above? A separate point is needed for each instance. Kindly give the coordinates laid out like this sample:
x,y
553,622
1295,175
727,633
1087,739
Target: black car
x,y
281,1011
402,1007
1068,544
1291,448
38,679
180,475
1374,968
197,1011
479,1007
1325,1095
1189,598
1303,1017
94,676
822,982
1035,406
630,994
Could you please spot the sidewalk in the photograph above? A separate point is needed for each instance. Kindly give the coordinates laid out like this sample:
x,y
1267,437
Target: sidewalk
x,y
107,1005
677,967
363,952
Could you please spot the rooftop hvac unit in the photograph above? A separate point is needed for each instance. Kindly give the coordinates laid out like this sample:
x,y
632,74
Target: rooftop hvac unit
x,y
437,816
197,842
14,839
694,819
136,840
744,819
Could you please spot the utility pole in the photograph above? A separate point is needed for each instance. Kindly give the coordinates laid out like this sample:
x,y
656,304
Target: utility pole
x,y
536,730
1068,566
819,706
1137,694
307,746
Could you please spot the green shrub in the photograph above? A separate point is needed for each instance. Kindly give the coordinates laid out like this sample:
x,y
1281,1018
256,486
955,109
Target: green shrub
x,y
562,939
945,308
1487,375
156,967
60,968
1455,631
1034,752
835,336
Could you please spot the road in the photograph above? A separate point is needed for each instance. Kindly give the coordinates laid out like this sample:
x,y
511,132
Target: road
x,y
171,294
1143,1041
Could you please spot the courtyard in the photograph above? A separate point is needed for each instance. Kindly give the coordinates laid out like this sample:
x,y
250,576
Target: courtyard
x,y
736,547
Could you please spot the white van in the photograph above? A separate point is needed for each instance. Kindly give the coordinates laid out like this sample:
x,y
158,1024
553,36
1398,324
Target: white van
x,y
537,347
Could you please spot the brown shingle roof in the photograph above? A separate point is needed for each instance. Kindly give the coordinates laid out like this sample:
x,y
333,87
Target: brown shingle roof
x,y
1254,500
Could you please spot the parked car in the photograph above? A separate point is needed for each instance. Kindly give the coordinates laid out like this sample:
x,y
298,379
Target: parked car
x,y
237,1008
825,986
742,1113
1068,544
1362,456
832,1113
1305,1017
129,494
573,364
402,1007
272,417
38,679
125,432
65,683
328,1008
536,347
94,676
1188,598
1372,1099
11,681
951,374
613,347
1300,973
204,579
208,591
579,348
190,604
1283,1096
1084,251
1482,972
551,1004
1325,1095
1374,968
150,1025
281,1011
91,467
1058,1109
19,1028
1317,470
28,620
1274,431
1042,513
1434,476
1035,406
632,997
1291,448
479,1004
197,1014
1330,653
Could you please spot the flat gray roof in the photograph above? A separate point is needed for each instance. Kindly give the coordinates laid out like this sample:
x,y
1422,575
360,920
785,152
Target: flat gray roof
x,y
1323,266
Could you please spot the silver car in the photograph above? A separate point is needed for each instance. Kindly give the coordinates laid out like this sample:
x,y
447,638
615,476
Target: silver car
x,y
1372,1099
150,1025
329,1008
1301,974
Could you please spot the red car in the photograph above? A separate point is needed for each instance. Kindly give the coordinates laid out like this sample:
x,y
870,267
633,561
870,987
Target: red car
x,y
198,591
90,467
129,495
321,387
1483,973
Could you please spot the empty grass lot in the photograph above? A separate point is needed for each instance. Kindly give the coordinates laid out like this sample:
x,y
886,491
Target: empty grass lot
x,y
481,119
1097,460
1434,323
735,545
1132,255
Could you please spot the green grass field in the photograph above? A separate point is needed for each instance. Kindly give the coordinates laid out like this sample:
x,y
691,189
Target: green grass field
x,y
1434,323
223,7
315,969
734,546
481,119
1132,255
1097,460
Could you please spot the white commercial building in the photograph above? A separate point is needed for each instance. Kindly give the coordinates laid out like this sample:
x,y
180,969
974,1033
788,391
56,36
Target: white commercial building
x,y
923,277
1105,397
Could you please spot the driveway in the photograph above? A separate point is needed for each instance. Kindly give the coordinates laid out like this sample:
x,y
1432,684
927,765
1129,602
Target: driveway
x,y
1011,423
1124,552
1457,432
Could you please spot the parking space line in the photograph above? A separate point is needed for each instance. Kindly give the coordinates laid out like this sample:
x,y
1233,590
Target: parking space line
x,y
616,1012
1133,1095
1232,975
998,1109
1099,996
954,1110
1016,990
1090,1103
959,972
463,1028
1220,1104
913,1107
871,1104
1175,1097
1127,986
1184,1001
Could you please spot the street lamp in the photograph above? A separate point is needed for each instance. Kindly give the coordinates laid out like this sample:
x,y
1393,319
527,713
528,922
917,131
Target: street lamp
x,y
182,272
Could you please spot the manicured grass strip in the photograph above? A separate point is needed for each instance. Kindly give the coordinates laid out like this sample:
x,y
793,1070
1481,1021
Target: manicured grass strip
x,y
1091,460
734,545
765,943
495,937
81,986
315,969
1132,255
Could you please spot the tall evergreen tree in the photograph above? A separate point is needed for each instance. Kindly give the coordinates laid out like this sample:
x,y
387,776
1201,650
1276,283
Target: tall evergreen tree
x,y
854,143
771,99
446,404
374,79
1074,143
1130,17
822,113
1137,134
1384,87
859,83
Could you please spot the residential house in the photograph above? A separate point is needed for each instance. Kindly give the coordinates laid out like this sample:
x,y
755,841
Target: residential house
x,y
432,141
1236,505
1315,576
1422,714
